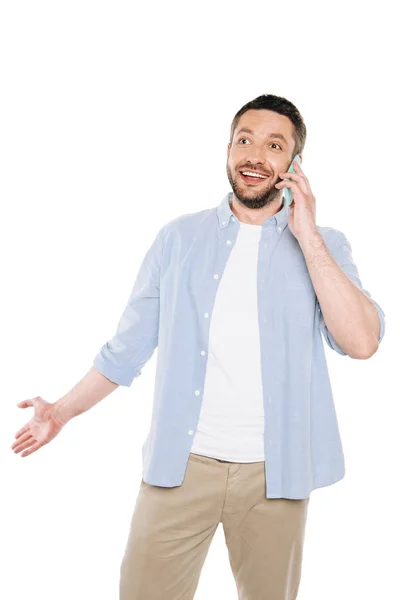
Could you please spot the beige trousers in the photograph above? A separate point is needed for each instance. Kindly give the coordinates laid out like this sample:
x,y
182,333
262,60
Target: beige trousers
x,y
172,529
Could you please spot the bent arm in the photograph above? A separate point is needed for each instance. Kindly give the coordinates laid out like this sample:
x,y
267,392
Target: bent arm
x,y
122,357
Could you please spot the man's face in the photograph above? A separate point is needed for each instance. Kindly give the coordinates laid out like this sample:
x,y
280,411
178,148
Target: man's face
x,y
262,151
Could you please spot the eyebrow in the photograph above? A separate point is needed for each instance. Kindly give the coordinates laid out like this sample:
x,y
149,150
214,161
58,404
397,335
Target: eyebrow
x,y
271,135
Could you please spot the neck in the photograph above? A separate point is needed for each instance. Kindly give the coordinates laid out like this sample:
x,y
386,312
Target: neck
x,y
256,216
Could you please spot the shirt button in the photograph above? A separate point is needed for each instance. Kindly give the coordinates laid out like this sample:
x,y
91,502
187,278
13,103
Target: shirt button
x,y
202,352
197,392
223,222
215,275
279,228
232,218
206,315
190,432
270,442
229,242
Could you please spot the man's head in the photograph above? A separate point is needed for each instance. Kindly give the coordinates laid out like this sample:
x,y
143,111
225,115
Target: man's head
x,y
266,134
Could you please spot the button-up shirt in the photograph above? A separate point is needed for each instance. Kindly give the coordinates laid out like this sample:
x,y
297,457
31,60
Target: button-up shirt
x,y
170,307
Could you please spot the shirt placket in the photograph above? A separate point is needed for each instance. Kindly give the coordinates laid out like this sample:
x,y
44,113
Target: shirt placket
x,y
265,294
226,241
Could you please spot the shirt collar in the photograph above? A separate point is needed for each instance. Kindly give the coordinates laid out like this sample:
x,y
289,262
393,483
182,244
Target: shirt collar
x,y
225,213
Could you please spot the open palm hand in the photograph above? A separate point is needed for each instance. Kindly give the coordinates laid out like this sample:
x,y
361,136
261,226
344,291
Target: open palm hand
x,y
41,429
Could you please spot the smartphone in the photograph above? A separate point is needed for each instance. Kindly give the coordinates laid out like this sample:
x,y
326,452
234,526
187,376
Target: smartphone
x,y
287,192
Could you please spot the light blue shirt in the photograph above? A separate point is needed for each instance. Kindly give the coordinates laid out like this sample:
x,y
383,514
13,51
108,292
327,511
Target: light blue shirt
x,y
170,307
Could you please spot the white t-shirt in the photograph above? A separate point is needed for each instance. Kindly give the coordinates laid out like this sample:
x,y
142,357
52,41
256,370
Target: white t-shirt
x,y
231,422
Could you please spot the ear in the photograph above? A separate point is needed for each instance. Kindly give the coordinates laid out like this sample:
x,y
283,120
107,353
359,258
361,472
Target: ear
x,y
228,149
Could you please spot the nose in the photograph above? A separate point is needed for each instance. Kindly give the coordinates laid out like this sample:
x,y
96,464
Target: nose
x,y
257,156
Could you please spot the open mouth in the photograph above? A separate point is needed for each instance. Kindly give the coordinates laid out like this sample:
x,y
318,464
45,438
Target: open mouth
x,y
252,180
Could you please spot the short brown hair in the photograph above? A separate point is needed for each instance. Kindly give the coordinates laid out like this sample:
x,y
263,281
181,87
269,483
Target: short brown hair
x,y
283,107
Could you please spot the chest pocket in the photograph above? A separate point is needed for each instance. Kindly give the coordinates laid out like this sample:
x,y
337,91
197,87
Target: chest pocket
x,y
298,297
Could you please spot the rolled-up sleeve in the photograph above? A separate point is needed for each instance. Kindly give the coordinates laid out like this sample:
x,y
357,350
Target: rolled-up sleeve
x,y
342,253
136,337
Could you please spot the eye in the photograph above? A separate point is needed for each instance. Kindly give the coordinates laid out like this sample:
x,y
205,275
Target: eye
x,y
273,143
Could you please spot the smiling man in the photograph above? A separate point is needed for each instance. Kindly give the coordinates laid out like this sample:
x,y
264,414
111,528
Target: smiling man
x,y
261,147
238,299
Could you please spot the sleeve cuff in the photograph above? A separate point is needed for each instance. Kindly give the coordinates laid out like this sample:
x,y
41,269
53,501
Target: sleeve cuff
x,y
113,374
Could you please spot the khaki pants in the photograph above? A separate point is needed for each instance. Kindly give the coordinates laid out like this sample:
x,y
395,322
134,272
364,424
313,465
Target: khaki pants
x,y
172,529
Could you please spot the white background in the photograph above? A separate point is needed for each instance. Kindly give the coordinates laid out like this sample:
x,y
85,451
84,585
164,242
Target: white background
x,y
115,119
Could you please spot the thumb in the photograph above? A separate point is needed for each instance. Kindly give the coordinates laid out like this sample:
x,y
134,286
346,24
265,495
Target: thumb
x,y
26,403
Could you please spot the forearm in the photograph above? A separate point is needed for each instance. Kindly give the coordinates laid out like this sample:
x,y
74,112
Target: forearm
x,y
92,388
349,314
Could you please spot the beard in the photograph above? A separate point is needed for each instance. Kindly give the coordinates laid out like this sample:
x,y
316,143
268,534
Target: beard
x,y
251,196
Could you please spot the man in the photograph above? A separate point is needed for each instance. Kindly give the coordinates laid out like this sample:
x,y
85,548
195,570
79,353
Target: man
x,y
236,298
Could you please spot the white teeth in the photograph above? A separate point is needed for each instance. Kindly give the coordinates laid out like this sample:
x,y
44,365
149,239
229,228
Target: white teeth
x,y
254,174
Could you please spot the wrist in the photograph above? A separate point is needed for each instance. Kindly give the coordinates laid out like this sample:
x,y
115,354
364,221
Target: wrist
x,y
310,239
61,411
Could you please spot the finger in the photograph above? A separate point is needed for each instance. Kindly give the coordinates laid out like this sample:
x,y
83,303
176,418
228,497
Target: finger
x,y
21,439
300,179
25,403
25,445
33,449
297,166
290,184
22,430
295,176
